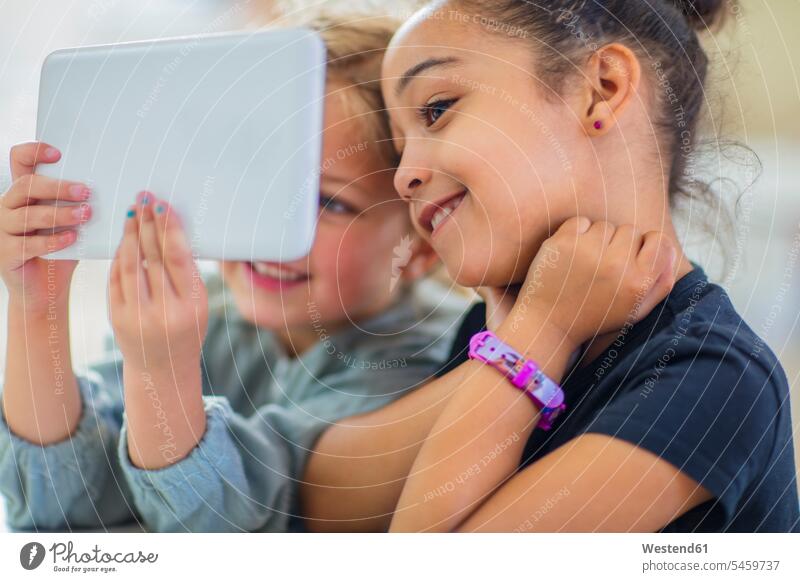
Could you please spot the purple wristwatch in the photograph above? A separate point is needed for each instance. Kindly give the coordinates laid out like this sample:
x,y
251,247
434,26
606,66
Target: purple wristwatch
x,y
523,374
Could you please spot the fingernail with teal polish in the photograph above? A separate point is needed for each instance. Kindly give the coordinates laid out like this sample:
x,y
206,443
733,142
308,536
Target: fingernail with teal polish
x,y
145,200
131,213
159,209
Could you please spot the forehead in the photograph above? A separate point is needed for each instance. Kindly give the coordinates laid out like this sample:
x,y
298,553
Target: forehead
x,y
429,33
450,34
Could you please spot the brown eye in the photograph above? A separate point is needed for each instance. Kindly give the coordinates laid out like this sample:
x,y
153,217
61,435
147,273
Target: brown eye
x,y
431,112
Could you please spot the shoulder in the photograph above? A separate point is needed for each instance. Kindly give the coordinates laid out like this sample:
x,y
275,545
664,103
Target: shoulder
x,y
708,336
705,382
708,355
695,358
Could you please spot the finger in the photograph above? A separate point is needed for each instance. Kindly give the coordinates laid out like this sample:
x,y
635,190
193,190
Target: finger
x,y
151,249
25,156
177,255
30,188
657,254
115,295
649,298
570,230
601,233
575,226
134,280
626,242
656,262
25,248
29,219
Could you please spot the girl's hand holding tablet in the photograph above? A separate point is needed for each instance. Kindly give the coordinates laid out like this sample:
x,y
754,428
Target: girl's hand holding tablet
x,y
159,307
26,229
159,312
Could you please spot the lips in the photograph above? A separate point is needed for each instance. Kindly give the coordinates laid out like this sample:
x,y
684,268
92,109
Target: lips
x,y
436,213
274,276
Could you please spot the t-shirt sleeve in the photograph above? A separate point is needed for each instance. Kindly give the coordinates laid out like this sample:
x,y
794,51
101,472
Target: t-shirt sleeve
x,y
473,322
705,406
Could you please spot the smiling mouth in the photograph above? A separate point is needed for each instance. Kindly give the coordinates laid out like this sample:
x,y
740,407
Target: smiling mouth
x,y
277,272
435,214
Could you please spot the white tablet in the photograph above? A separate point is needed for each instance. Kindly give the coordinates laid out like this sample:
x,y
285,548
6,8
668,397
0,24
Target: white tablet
x,y
226,127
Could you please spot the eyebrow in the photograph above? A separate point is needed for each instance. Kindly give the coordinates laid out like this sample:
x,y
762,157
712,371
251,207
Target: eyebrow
x,y
419,68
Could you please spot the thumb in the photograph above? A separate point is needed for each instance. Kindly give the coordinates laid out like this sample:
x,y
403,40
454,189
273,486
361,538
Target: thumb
x,y
658,257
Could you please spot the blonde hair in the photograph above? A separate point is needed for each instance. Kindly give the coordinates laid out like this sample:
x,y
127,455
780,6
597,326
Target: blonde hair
x,y
356,46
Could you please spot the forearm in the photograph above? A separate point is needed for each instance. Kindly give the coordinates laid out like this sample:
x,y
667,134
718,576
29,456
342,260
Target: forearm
x,y
41,400
478,440
83,487
359,466
165,413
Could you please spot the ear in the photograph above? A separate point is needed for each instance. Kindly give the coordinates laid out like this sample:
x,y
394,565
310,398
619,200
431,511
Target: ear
x,y
613,74
423,260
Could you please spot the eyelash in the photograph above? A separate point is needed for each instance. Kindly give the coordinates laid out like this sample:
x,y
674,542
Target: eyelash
x,y
326,204
424,111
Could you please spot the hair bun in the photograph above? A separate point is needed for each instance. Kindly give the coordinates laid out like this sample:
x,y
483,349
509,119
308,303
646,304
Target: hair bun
x,y
701,14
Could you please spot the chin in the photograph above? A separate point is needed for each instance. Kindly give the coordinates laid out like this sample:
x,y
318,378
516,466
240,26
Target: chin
x,y
267,313
480,270
476,275
258,317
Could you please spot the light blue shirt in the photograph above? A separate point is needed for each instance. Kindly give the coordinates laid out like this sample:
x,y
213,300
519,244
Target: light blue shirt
x,y
264,412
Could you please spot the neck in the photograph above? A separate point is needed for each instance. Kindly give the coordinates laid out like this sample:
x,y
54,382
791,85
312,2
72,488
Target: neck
x,y
651,211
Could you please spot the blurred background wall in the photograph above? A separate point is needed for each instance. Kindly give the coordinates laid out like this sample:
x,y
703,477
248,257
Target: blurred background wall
x,y
754,96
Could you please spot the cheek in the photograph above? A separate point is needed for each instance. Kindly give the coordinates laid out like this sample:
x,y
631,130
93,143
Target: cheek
x,y
534,178
364,251
520,193
325,251
372,255
347,259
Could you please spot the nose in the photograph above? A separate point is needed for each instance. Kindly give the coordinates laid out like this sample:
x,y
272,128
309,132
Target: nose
x,y
409,178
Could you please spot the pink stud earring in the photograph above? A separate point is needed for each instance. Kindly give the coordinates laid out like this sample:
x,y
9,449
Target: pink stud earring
x,y
598,125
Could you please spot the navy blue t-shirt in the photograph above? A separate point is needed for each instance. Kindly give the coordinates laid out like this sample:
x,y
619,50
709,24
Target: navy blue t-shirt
x,y
695,385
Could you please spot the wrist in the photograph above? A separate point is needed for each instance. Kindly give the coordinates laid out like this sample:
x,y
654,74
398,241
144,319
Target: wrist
x,y
165,413
143,356
183,375
36,312
532,317
524,373
540,339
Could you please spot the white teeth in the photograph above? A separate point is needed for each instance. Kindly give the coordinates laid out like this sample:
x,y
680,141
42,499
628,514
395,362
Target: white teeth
x,y
276,272
440,216
445,211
